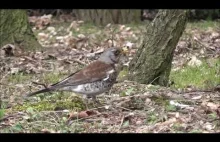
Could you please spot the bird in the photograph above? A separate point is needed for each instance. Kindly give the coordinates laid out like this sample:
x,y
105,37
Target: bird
x,y
96,78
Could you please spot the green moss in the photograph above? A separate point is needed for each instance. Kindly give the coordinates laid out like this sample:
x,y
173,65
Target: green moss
x,y
203,77
49,105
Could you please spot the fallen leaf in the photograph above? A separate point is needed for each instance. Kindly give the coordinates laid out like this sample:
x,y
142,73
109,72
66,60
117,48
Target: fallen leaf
x,y
82,114
208,126
194,62
212,106
197,97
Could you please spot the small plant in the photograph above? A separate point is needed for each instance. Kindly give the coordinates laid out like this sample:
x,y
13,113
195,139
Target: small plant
x,y
151,118
212,115
16,128
127,92
170,107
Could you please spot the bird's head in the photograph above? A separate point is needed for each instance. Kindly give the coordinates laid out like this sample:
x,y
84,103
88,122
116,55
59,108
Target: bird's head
x,y
113,55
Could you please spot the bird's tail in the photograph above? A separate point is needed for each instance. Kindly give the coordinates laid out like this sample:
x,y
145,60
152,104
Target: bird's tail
x,y
38,92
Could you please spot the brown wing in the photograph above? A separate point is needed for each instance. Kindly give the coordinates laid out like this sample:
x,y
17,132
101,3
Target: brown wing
x,y
93,72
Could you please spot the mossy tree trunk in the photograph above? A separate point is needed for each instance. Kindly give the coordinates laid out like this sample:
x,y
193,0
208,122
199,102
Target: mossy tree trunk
x,y
152,62
15,29
103,17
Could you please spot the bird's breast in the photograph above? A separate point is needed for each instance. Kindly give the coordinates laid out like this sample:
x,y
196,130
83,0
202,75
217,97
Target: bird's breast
x,y
95,88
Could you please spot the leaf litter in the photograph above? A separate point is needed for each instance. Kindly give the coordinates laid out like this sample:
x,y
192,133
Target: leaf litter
x,y
131,107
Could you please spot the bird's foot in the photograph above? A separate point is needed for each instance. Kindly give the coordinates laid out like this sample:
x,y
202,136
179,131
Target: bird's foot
x,y
96,101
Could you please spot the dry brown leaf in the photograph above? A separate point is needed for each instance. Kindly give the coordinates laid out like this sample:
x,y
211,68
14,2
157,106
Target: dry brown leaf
x,y
82,114
212,106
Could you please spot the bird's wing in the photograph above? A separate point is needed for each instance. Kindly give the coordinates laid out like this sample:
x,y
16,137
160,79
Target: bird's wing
x,y
93,72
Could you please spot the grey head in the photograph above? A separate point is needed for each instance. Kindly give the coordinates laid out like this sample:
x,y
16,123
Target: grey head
x,y
111,55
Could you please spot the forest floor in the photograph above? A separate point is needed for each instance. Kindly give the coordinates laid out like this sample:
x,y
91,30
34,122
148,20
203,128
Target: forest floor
x,y
189,104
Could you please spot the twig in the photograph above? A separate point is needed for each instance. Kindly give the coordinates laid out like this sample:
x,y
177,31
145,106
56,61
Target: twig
x,y
78,61
84,118
42,84
96,108
124,108
112,38
122,120
30,59
154,80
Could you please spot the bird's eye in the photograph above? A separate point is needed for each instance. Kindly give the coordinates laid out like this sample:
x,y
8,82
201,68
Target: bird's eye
x,y
117,52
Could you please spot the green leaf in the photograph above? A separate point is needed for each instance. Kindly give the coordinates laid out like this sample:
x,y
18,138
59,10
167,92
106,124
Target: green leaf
x,y
171,108
17,127
212,115
129,91
126,124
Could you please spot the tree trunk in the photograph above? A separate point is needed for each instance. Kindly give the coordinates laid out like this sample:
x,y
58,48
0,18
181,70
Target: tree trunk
x,y
152,62
103,17
15,29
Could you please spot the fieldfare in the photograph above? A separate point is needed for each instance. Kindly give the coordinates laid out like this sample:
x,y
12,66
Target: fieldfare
x,y
96,78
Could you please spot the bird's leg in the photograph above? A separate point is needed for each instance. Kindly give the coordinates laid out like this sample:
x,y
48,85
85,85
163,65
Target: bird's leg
x,y
85,101
95,100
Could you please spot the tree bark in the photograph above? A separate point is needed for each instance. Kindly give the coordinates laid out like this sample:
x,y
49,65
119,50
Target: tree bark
x,y
103,17
15,29
152,62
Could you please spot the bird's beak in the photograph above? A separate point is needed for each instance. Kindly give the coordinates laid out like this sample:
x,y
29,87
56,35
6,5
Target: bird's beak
x,y
124,50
